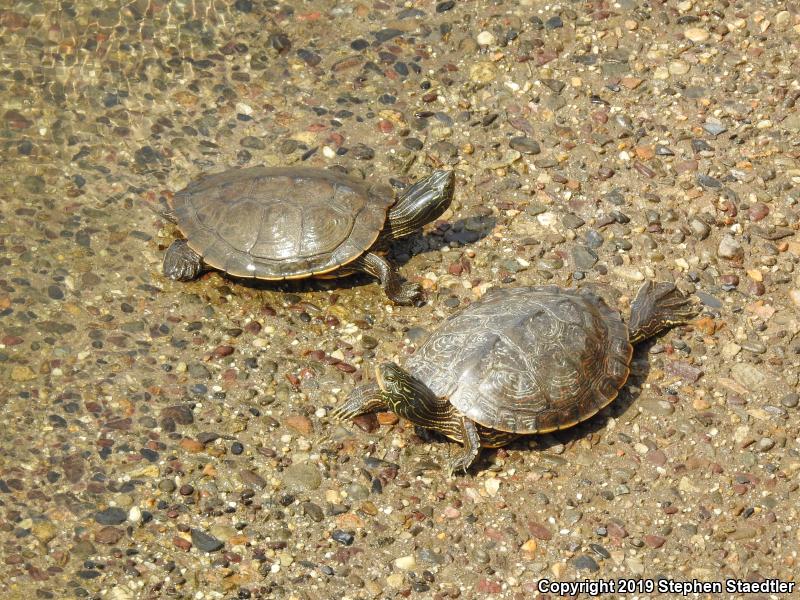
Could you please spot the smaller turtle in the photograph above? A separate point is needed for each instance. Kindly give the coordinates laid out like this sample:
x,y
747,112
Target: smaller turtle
x,y
291,223
519,361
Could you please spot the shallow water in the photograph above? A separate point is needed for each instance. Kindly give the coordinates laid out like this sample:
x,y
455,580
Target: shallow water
x,y
147,421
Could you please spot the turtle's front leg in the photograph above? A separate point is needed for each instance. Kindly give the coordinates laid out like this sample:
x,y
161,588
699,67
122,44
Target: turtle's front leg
x,y
363,399
398,291
472,445
181,263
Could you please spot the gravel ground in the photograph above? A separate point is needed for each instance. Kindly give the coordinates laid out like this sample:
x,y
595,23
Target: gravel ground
x,y
170,440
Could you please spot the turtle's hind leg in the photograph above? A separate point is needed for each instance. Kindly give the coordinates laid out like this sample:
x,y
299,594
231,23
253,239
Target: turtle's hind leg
x,y
659,306
181,263
398,291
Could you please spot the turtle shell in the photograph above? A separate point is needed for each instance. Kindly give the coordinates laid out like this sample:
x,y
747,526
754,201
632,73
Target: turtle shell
x,y
281,223
527,359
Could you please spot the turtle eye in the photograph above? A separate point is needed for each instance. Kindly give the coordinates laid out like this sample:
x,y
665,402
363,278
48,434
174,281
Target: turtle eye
x,y
388,372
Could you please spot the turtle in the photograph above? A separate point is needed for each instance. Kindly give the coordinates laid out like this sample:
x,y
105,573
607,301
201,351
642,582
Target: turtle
x,y
518,361
278,223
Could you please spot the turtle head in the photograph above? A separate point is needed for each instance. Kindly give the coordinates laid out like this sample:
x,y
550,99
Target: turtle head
x,y
399,389
421,203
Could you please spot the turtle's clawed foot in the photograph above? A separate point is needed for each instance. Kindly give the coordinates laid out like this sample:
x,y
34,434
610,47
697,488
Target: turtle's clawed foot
x,y
472,445
344,412
406,293
460,463
181,263
363,399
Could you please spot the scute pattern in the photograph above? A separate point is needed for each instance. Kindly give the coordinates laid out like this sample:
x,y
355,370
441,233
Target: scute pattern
x,y
528,359
281,223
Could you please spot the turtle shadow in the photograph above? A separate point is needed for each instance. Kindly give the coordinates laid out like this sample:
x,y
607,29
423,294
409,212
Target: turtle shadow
x,y
461,233
542,443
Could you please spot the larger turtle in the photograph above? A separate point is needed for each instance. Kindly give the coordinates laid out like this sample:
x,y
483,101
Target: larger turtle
x,y
291,223
519,361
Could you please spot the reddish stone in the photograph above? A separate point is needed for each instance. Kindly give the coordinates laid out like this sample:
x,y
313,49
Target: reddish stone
x,y
335,139
387,418
317,355
487,586
345,367
654,541
540,531
222,351
758,211
615,530
253,327
109,535
13,21
118,424
368,423
191,445
299,423
182,543
684,370
657,457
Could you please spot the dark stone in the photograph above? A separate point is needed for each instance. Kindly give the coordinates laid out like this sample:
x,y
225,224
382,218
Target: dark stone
x,y
790,400
572,221
709,300
708,182
280,42
180,413
205,542
384,35
584,258
111,516
554,22
313,511
585,562
701,146
146,155
362,152
413,143
252,142
312,59
343,537
525,145
600,550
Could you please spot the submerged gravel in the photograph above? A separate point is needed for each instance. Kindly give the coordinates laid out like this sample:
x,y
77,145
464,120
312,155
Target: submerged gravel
x,y
171,440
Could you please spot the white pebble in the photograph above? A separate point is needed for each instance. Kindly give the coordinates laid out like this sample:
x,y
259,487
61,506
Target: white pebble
x,y
405,563
485,38
696,34
244,109
492,486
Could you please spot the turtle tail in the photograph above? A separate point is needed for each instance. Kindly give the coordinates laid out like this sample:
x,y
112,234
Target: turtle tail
x,y
657,307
